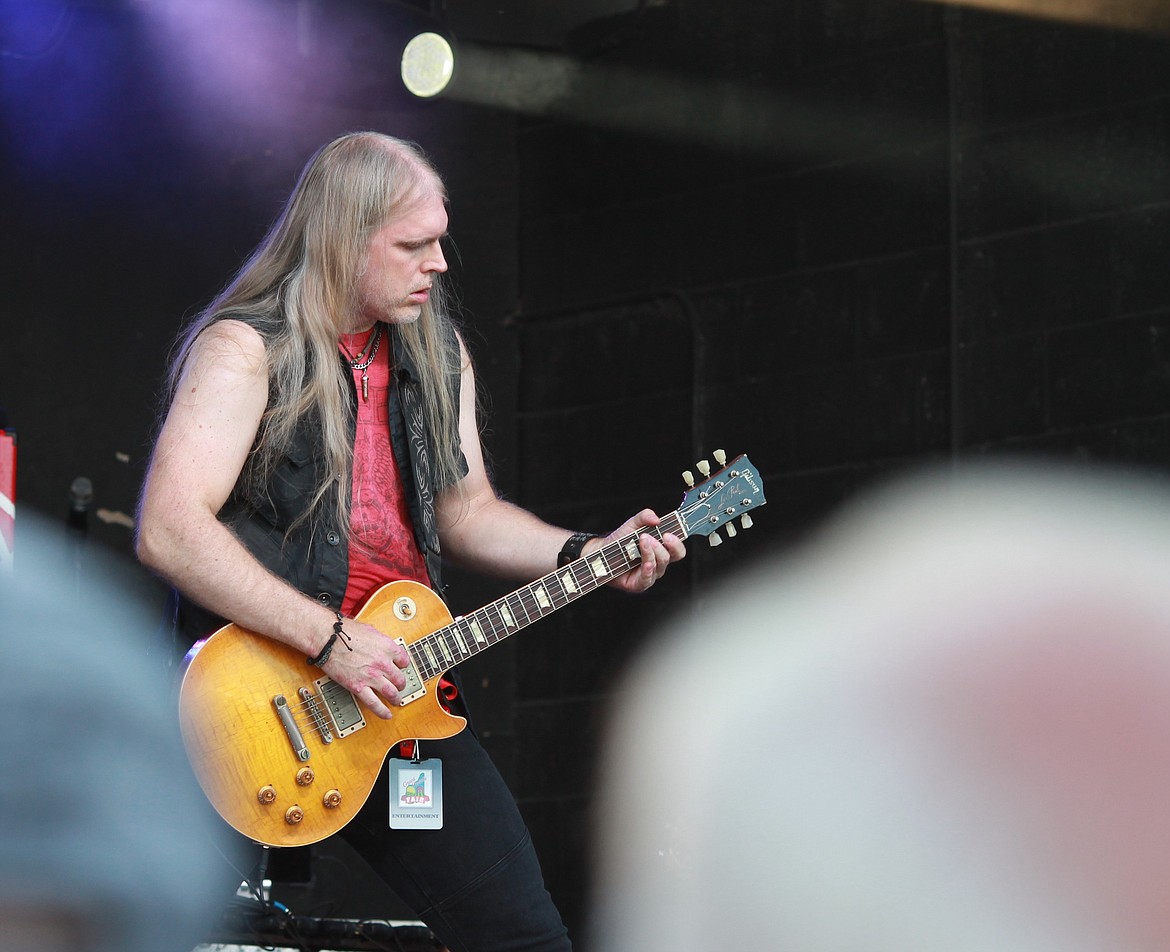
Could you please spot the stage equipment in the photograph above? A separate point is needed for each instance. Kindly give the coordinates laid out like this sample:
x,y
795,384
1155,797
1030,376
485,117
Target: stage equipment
x,y
428,64
7,498
1148,15
247,924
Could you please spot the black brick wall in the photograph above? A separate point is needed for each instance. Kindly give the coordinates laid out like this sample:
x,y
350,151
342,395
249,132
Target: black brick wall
x,y
919,235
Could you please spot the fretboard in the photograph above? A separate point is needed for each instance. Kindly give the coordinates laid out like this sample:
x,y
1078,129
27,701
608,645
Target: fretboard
x,y
468,635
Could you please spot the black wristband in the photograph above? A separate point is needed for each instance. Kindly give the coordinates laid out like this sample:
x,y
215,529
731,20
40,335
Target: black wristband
x,y
573,546
328,649
325,652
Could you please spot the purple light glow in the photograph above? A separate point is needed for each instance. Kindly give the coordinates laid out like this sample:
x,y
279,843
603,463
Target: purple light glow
x,y
237,62
62,101
109,106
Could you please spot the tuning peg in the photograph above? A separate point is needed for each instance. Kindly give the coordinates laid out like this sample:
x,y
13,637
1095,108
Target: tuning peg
x,y
689,478
703,467
714,539
720,457
731,530
746,521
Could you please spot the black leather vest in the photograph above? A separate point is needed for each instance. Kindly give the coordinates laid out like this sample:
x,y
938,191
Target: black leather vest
x,y
314,557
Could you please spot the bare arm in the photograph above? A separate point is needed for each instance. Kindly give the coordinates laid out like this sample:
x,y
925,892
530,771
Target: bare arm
x,y
200,453
480,531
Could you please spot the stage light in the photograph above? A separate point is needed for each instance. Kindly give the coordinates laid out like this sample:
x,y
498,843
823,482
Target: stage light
x,y
428,63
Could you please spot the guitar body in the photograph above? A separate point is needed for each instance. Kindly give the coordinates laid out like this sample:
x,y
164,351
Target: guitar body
x,y
264,783
288,757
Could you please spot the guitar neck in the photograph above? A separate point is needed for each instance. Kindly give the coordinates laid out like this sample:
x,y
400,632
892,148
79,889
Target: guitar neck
x,y
468,635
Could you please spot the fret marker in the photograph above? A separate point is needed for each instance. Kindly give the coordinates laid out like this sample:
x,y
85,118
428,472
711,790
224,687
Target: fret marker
x,y
541,597
431,656
632,552
600,569
569,582
477,633
447,657
507,616
459,638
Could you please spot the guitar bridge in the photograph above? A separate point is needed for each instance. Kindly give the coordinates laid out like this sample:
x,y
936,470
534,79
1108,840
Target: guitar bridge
x,y
289,722
313,706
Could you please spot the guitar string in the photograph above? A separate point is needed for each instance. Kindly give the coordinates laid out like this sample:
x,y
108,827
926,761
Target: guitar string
x,y
448,645
529,603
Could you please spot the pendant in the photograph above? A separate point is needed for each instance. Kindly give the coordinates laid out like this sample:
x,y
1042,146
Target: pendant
x,y
365,386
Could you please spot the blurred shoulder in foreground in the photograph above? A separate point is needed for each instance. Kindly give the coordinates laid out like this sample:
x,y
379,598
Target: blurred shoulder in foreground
x,y
107,843
942,724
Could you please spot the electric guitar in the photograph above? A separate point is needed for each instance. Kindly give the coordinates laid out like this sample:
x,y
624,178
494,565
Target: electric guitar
x,y
288,757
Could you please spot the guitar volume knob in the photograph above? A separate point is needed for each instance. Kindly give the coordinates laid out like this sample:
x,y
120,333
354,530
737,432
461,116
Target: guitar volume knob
x,y
332,799
293,815
305,776
266,794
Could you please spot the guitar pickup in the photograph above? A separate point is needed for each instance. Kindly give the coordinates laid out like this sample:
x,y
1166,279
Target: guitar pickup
x,y
343,708
415,688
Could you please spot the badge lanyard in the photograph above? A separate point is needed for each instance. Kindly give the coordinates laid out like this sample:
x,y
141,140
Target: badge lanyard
x,y
416,793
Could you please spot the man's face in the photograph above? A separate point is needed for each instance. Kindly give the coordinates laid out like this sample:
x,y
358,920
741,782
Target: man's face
x,y
401,263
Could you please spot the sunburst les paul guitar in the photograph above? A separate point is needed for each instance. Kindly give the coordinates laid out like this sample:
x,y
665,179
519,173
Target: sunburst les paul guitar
x,y
288,757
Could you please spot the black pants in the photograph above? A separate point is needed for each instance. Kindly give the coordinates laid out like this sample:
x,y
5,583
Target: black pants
x,y
476,882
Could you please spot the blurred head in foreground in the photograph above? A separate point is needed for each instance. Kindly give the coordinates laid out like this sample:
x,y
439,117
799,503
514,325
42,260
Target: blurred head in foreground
x,y
944,724
106,843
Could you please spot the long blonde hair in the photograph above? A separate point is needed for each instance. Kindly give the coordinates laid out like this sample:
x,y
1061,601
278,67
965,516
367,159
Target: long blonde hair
x,y
299,286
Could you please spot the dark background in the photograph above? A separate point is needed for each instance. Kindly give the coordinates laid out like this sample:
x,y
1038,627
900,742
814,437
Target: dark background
x,y
847,237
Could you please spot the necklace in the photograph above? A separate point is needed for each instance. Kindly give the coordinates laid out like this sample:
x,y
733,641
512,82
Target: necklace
x,y
371,351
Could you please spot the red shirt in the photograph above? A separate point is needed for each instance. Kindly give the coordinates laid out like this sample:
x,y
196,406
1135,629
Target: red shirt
x,y
382,545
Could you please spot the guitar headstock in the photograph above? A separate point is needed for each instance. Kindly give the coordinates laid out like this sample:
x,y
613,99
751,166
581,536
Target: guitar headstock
x,y
722,498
